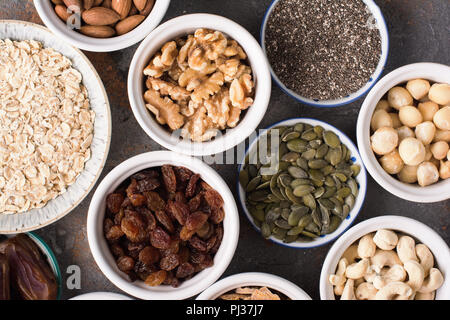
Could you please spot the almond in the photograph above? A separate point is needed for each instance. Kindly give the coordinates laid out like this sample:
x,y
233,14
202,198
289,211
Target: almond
x,y
61,11
73,4
122,7
97,31
100,16
140,4
106,4
128,24
148,8
88,4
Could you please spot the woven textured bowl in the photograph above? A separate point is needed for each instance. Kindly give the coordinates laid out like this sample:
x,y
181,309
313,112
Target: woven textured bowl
x,y
64,203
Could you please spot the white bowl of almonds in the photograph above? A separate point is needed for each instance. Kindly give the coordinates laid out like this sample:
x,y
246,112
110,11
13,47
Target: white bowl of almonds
x,y
253,286
387,258
403,132
56,127
199,84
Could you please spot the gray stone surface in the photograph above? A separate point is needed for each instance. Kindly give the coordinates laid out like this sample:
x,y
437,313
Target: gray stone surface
x,y
419,31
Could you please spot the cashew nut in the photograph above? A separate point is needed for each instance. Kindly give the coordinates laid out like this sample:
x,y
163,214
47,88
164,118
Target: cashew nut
x,y
351,254
349,290
425,296
384,258
426,258
385,239
415,274
433,282
358,269
406,249
338,279
366,291
395,273
366,246
370,275
394,291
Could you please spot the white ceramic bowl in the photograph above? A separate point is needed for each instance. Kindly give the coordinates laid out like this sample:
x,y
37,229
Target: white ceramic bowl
x,y
414,228
380,24
182,26
63,204
254,279
412,192
361,179
105,259
79,40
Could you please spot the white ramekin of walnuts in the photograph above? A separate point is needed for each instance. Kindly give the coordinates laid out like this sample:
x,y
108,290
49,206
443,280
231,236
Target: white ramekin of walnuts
x,y
403,132
199,84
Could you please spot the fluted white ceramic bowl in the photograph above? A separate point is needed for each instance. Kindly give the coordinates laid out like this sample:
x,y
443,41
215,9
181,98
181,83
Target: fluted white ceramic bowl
x,y
99,246
412,192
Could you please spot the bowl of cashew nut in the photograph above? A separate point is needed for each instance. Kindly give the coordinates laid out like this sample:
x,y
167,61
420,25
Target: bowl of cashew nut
x,y
387,258
199,84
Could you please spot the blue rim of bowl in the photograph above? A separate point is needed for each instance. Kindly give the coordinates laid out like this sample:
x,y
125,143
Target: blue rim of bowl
x,y
47,251
298,97
247,214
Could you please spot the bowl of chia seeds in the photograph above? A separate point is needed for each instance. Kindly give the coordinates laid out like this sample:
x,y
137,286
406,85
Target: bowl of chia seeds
x,y
325,53
301,183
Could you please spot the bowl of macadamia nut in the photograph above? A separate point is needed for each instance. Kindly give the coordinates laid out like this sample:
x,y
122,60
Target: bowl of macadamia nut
x,y
403,132
199,84
387,258
101,25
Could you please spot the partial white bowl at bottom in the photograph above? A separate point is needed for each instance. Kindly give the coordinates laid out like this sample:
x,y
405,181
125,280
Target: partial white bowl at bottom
x,y
411,227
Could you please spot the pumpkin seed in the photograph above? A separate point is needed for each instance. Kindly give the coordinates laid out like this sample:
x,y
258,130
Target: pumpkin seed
x,y
309,154
265,230
356,169
285,180
345,210
327,170
302,190
315,143
244,178
283,224
302,163
326,203
319,131
350,200
259,195
291,157
295,231
294,218
290,238
317,217
285,213
252,171
321,151
272,215
285,204
309,234
331,139
304,221
290,195
299,182
342,177
334,224
309,201
309,135
316,175
329,182
301,210
353,187
263,185
329,192
319,192
258,214
297,172
344,192
279,233
317,163
290,136
297,145
335,156
253,184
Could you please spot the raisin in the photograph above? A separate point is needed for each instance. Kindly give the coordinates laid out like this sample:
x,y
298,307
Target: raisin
x,y
149,255
171,280
192,186
126,203
179,211
211,242
142,270
198,244
179,197
134,249
197,257
213,198
114,202
164,219
117,250
169,178
205,186
186,234
137,199
169,262
154,201
134,227
217,215
145,174
173,248
160,239
132,188
184,270
107,224
195,202
119,216
125,263
196,220
205,231
207,262
156,278
183,174
148,184
114,233
184,254
219,236
148,216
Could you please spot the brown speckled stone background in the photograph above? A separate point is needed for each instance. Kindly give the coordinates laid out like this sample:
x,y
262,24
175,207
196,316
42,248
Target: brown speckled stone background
x,y
419,31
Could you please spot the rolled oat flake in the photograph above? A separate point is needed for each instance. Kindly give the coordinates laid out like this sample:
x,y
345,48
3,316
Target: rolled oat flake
x,y
323,49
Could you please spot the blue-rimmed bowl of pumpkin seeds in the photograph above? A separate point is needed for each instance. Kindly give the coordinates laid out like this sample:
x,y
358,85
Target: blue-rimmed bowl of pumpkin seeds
x,y
302,183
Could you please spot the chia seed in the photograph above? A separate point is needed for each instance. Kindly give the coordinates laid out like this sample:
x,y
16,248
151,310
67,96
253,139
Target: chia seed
x,y
322,49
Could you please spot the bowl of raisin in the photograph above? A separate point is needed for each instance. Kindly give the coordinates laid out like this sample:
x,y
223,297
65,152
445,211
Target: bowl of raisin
x,y
163,226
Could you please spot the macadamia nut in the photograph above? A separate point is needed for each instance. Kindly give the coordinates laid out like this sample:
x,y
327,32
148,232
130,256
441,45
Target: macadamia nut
x,y
442,118
383,105
396,123
428,109
412,151
392,163
427,174
442,135
404,132
439,149
425,132
380,119
408,174
410,116
444,170
440,93
384,140
399,97
418,88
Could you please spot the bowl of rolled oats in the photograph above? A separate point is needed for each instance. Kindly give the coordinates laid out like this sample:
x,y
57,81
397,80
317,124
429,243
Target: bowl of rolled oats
x,y
55,127
199,84
253,286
